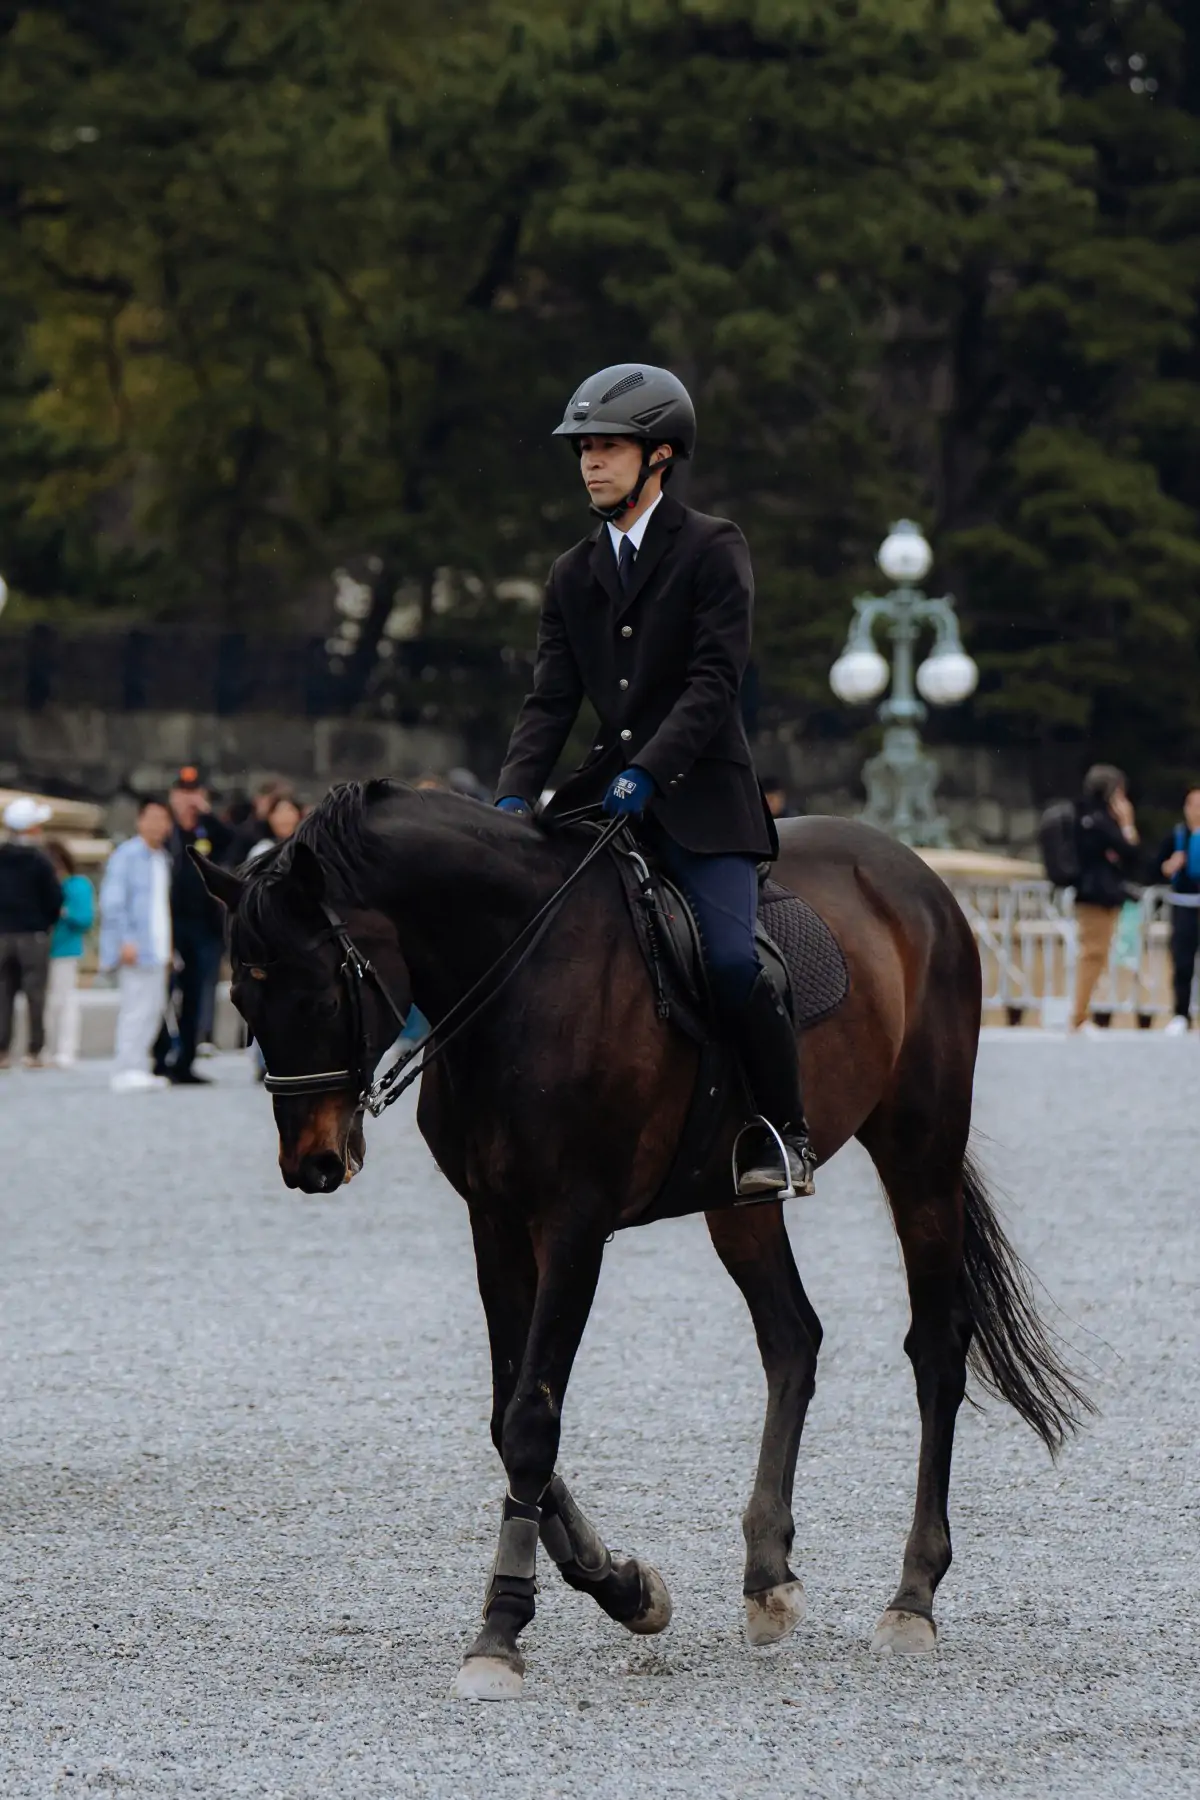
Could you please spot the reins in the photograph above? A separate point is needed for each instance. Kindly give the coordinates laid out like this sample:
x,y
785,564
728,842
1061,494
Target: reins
x,y
356,969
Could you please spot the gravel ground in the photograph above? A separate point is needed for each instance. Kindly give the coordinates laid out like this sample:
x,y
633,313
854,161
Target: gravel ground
x,y
249,1499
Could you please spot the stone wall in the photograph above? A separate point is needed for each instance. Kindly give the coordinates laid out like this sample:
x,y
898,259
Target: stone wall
x,y
109,756
987,796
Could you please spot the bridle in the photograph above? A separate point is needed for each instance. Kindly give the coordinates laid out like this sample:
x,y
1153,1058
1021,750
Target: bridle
x,y
357,971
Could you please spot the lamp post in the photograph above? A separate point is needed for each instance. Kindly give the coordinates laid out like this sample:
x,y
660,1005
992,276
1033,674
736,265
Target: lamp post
x,y
901,780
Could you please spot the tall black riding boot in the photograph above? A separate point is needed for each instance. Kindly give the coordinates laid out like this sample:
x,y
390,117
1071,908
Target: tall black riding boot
x,y
766,1047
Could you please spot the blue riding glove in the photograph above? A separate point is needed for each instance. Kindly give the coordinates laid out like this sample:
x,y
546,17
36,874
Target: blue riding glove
x,y
630,793
513,803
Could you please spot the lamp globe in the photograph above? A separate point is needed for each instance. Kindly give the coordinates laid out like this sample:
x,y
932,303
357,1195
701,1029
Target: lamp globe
x,y
948,678
858,676
904,555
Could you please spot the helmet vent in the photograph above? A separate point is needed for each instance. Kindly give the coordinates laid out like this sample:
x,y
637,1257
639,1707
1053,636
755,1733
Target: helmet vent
x,y
623,387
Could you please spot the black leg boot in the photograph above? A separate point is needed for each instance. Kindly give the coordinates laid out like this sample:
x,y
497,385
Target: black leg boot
x,y
766,1046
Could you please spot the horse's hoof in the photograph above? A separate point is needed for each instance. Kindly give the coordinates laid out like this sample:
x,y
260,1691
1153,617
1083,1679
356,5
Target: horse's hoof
x,y
775,1613
489,1678
904,1634
655,1614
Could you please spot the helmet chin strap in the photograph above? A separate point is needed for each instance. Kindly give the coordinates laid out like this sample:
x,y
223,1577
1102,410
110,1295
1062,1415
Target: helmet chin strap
x,y
611,514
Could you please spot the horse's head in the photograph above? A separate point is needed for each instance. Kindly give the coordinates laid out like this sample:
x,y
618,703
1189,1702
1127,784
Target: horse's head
x,y
310,1012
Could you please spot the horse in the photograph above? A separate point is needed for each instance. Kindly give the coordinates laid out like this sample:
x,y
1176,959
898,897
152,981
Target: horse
x,y
556,1113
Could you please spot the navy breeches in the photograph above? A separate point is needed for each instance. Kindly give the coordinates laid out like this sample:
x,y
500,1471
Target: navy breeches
x,y
723,893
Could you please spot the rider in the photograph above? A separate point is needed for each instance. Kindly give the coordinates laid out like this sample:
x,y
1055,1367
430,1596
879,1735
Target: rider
x,y
649,618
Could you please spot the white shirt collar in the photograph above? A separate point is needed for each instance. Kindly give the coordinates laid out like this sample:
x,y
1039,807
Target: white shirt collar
x,y
636,531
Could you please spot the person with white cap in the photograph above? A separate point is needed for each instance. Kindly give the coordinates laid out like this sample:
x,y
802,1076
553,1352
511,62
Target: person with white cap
x,y
30,902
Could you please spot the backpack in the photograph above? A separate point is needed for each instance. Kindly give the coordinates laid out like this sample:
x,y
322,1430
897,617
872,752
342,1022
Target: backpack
x,y
1058,835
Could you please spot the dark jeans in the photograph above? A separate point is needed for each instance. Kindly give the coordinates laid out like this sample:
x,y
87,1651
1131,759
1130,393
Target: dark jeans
x,y
1185,944
193,986
24,968
723,894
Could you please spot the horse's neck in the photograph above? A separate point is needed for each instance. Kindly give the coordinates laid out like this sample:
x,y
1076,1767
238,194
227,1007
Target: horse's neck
x,y
458,901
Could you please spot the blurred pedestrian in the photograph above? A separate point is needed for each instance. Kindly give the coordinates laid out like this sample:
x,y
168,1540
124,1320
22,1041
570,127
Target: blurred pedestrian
x,y
254,829
776,795
281,821
198,928
1179,860
66,947
30,900
135,940
1108,859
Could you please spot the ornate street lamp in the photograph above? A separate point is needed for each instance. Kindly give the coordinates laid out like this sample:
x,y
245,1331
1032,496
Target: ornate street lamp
x,y
902,779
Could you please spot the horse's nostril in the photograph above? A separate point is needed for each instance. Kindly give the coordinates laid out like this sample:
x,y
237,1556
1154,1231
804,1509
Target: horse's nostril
x,y
321,1172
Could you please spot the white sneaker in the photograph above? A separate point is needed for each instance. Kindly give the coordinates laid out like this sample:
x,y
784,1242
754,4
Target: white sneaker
x,y
1176,1027
1090,1029
136,1081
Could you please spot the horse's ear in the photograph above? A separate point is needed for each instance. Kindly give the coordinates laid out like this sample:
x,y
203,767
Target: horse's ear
x,y
306,874
221,883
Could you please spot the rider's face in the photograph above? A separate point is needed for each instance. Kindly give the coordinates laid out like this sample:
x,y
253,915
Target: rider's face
x,y
610,467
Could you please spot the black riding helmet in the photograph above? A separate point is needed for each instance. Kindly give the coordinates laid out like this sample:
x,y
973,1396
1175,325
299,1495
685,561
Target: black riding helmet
x,y
632,400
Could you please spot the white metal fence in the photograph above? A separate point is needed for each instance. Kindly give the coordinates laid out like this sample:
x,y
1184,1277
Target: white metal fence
x,y
1028,945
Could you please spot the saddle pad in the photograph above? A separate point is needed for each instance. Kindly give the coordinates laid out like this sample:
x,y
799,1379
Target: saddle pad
x,y
816,967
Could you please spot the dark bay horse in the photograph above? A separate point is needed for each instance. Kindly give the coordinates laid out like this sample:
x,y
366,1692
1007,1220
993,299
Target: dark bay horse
x,y
556,1114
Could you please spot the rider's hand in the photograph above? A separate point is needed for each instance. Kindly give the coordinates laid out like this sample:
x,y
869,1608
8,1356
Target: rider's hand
x,y
513,803
1174,863
630,793
129,955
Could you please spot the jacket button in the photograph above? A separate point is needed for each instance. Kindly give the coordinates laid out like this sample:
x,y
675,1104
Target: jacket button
x,y
622,684
627,631
625,736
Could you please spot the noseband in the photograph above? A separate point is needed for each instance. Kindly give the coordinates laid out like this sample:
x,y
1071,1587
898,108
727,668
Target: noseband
x,y
356,971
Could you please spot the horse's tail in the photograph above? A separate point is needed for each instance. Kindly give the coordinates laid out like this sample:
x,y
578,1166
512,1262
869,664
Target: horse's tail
x,y
1011,1352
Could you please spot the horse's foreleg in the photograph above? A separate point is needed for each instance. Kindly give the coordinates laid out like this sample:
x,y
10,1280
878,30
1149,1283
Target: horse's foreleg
x,y
631,1592
753,1245
507,1274
927,1205
568,1251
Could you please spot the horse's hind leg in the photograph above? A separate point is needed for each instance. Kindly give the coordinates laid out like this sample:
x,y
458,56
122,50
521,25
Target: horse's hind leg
x,y
753,1245
919,1156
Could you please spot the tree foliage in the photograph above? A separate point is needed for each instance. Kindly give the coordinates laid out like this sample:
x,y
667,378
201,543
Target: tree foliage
x,y
296,282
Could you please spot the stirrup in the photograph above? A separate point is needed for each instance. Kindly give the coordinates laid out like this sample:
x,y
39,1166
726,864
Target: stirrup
x,y
788,1191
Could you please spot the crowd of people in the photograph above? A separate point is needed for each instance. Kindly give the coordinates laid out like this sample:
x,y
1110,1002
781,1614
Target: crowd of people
x,y
161,936
1113,866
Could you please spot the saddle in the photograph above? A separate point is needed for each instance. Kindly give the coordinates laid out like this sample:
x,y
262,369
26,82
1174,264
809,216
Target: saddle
x,y
801,956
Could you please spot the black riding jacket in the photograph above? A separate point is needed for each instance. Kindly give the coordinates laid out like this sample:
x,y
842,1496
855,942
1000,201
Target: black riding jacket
x,y
662,665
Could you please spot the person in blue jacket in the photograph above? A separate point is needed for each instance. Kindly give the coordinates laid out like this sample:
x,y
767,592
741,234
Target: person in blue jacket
x,y
1179,860
66,947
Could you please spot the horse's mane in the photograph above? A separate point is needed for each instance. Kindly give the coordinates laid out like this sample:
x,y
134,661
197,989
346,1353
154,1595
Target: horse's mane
x,y
351,852
334,831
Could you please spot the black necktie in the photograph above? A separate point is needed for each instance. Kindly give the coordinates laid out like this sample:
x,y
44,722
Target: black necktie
x,y
626,557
